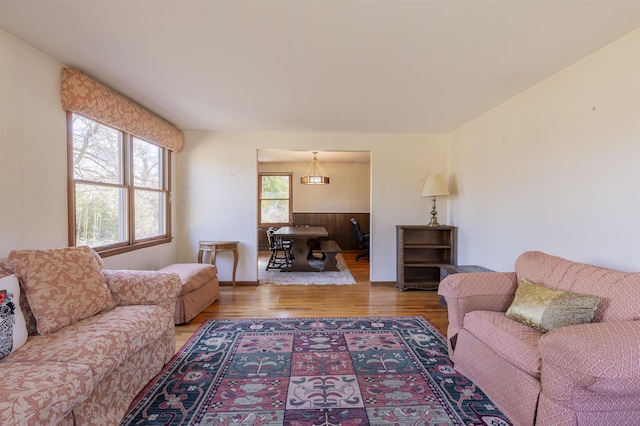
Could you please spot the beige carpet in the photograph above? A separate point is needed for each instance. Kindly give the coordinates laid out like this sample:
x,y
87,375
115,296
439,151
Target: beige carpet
x,y
274,276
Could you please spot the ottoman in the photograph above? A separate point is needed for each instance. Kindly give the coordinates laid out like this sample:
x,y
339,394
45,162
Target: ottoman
x,y
200,288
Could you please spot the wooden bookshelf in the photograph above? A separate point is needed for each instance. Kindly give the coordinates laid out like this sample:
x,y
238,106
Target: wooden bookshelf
x,y
421,250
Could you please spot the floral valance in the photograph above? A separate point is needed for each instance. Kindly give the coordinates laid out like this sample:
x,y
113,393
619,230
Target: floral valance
x,y
84,95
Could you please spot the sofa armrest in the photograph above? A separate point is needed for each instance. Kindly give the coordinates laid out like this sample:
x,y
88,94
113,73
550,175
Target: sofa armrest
x,y
487,291
598,357
144,287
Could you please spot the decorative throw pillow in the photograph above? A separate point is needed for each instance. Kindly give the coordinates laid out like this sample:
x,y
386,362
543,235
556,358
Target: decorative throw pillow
x,y
13,328
545,309
6,269
63,286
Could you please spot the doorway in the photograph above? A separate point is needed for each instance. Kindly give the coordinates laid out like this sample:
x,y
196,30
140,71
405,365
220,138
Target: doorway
x,y
331,205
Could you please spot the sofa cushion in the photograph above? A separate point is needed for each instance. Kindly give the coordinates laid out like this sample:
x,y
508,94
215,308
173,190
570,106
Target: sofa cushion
x,y
192,275
63,286
13,329
37,393
6,267
545,309
619,291
95,342
513,341
602,357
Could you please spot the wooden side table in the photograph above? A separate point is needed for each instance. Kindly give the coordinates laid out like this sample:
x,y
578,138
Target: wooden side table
x,y
214,247
446,270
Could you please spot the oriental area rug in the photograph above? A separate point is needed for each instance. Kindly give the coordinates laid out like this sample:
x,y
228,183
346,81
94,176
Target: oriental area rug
x,y
313,371
274,276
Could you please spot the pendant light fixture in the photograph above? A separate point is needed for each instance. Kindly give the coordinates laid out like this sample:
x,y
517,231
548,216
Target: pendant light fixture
x,y
315,174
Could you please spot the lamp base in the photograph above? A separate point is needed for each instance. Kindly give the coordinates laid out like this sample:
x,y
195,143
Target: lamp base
x,y
434,215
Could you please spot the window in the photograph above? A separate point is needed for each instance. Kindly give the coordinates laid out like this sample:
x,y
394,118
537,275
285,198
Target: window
x,y
119,188
274,193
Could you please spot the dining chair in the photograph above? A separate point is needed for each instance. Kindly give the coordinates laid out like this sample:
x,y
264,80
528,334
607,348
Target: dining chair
x,y
281,251
363,238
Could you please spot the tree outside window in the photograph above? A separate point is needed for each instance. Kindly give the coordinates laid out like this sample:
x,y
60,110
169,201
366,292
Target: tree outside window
x,y
275,199
119,187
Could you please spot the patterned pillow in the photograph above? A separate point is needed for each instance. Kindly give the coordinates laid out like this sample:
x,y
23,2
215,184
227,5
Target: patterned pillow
x,y
13,328
6,269
62,286
545,309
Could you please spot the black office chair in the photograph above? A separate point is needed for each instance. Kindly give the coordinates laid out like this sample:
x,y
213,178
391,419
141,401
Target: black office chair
x,y
281,251
363,239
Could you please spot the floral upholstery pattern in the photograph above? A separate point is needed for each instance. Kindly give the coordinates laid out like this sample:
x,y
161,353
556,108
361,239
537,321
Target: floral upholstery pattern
x,y
576,374
53,280
6,268
110,399
88,372
143,287
95,342
42,393
80,93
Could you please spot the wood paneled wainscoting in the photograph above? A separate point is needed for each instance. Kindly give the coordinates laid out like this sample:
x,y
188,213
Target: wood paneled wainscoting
x,y
338,226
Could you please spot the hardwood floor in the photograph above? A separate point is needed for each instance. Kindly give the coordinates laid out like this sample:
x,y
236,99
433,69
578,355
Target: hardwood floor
x,y
297,301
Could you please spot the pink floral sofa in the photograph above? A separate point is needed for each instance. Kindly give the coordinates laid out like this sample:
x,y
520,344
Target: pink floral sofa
x,y
95,337
584,374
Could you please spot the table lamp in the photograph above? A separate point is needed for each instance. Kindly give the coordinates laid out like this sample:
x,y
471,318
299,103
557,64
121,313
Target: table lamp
x,y
433,187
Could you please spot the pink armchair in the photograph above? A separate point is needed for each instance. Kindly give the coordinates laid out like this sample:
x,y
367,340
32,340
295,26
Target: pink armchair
x,y
586,374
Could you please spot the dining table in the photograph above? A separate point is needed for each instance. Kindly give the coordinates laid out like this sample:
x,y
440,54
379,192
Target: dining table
x,y
301,235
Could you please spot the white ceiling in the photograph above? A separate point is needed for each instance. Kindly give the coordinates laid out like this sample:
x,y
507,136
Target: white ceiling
x,y
366,66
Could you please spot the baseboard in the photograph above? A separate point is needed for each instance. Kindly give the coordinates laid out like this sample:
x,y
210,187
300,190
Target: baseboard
x,y
383,283
239,283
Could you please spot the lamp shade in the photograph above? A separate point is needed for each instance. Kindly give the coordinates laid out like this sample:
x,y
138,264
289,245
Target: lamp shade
x,y
434,186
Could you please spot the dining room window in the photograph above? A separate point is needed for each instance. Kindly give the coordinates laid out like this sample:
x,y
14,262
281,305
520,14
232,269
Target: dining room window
x,y
275,199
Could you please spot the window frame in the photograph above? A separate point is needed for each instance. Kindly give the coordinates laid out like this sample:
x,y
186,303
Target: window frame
x,y
131,243
290,199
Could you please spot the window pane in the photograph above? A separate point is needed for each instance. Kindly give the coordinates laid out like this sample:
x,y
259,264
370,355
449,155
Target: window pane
x,y
121,185
147,159
275,187
274,211
149,212
97,151
100,215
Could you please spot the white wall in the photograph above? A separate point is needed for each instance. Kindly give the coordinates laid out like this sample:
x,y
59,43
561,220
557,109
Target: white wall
x,y
215,176
556,168
33,153
33,159
217,186
348,191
